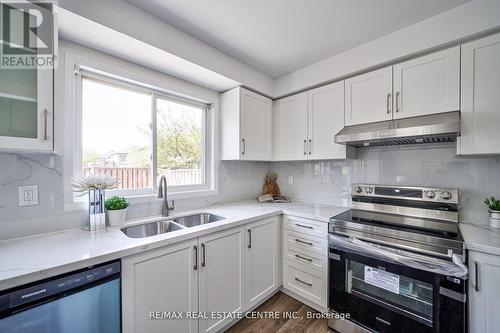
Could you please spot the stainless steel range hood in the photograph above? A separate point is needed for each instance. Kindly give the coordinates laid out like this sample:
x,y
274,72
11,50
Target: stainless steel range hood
x,y
443,127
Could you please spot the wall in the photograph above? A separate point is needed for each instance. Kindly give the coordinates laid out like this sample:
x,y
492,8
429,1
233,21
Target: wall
x,y
329,181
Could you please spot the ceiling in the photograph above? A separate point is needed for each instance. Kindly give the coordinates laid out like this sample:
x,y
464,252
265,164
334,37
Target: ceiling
x,y
280,36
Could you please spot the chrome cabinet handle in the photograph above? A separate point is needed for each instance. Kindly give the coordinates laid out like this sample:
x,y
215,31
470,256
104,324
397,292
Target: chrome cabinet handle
x,y
203,258
45,115
249,238
306,283
303,226
300,241
397,101
195,257
476,276
305,142
303,258
310,145
388,105
244,147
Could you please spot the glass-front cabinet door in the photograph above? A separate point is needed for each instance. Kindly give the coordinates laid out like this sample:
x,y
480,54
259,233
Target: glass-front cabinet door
x,y
26,90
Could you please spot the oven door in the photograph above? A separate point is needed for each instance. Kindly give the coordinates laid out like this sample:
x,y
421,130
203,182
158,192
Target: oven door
x,y
387,297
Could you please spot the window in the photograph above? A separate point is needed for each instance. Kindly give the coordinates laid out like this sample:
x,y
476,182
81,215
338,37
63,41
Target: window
x,y
137,134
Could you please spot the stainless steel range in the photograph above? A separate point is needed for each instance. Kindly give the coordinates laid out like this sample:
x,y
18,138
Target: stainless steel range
x,y
396,261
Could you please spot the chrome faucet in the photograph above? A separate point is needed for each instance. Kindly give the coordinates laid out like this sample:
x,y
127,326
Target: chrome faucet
x,y
162,194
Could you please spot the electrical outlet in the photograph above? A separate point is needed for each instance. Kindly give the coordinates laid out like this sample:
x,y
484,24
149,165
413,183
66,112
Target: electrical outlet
x,y
28,195
290,180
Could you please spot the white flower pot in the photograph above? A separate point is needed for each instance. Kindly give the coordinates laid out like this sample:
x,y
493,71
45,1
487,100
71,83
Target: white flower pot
x,y
117,217
494,219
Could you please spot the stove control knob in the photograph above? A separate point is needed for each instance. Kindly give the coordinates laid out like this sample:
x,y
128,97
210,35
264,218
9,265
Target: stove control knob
x,y
358,189
369,190
445,195
430,194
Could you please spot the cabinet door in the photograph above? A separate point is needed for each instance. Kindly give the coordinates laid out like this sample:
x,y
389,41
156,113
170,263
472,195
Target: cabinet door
x,y
291,128
481,96
368,97
256,125
325,119
484,289
262,260
427,85
160,280
222,276
26,103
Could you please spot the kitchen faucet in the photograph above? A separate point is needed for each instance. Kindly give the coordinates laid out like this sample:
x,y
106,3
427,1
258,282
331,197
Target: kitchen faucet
x,y
162,194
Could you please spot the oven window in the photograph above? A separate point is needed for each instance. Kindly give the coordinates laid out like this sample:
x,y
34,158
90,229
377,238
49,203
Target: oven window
x,y
396,292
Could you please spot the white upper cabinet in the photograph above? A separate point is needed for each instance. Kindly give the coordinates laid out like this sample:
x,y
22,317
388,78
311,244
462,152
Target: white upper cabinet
x,y
325,119
290,128
481,96
427,85
26,104
263,239
222,277
246,123
368,97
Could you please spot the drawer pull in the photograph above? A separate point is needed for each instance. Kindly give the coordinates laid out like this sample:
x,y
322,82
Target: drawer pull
x,y
303,226
303,258
301,241
306,283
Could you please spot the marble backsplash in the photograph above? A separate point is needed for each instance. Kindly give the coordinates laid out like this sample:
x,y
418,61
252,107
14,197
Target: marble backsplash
x,y
329,181
237,181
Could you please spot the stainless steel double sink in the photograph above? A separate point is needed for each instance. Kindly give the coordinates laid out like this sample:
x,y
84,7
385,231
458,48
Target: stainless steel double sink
x,y
168,225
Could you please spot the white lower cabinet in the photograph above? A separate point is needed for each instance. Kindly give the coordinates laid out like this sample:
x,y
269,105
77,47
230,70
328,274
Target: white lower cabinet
x,y
484,291
305,259
160,280
222,276
215,275
262,262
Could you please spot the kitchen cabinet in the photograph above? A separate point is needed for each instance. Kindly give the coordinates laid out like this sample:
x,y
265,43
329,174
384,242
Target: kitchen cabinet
x,y
428,84
305,260
368,97
325,119
164,279
262,260
222,276
480,97
246,126
483,304
26,107
306,124
290,128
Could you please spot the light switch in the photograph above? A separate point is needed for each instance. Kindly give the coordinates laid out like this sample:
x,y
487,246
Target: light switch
x,y
290,180
28,195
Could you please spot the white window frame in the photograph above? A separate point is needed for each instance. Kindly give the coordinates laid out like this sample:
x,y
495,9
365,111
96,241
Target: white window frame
x,y
75,67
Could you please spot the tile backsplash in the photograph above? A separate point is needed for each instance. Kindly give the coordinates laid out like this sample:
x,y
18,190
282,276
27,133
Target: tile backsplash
x,y
237,181
329,181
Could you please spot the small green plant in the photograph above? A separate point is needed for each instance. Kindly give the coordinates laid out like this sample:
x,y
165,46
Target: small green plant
x,y
116,203
492,203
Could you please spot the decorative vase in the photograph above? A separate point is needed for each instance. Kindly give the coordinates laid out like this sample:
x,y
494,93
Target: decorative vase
x,y
117,217
494,218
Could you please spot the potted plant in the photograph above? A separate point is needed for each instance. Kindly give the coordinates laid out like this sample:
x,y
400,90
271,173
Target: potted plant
x,y
117,210
494,207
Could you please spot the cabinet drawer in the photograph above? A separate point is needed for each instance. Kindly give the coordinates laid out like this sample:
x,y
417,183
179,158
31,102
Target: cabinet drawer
x,y
306,242
305,283
308,259
305,226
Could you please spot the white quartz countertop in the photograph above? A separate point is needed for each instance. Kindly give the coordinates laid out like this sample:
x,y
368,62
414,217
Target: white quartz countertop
x,y
481,238
28,259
